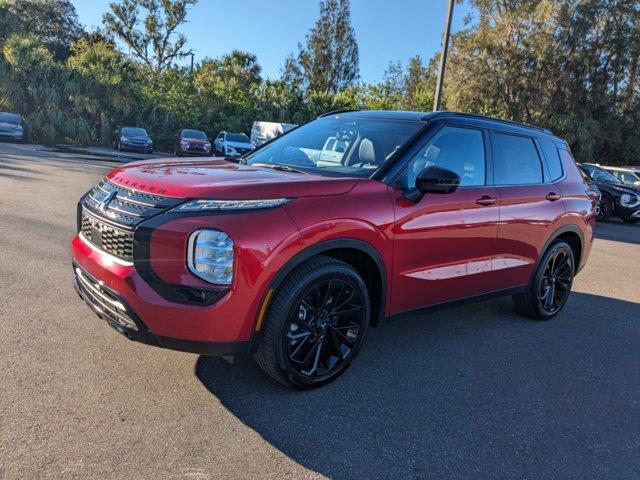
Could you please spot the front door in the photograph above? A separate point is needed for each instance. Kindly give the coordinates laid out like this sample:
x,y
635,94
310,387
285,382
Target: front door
x,y
445,244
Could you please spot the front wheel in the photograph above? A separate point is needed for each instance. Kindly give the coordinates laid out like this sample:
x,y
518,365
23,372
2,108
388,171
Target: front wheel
x,y
315,325
606,209
549,289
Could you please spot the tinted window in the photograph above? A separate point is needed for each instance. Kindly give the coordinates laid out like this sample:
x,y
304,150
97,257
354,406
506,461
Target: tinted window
x,y
600,175
516,160
553,159
195,134
369,143
460,150
238,137
134,131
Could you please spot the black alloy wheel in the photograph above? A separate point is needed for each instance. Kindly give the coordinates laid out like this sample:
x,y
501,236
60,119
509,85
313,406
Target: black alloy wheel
x,y
555,282
315,325
324,327
551,284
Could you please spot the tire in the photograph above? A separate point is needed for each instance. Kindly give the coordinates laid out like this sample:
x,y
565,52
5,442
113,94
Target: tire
x,y
606,209
326,343
119,146
552,281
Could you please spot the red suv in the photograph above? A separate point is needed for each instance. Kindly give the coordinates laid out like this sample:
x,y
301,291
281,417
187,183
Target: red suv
x,y
294,253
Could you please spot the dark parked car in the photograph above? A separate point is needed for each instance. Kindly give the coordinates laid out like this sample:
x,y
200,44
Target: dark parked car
x,y
192,142
293,260
12,127
618,199
133,139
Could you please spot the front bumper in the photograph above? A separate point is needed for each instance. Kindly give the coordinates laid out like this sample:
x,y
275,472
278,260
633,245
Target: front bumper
x,y
8,135
136,146
111,307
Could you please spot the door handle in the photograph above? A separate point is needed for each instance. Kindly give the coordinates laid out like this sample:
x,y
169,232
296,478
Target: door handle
x,y
552,196
486,201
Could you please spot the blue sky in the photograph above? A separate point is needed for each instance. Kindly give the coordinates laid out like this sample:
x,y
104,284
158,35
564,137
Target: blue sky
x,y
386,30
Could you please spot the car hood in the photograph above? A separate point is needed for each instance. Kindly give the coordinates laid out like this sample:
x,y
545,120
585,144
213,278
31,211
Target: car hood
x,y
219,179
195,141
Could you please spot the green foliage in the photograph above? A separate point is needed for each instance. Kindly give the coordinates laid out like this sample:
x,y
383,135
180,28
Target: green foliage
x,y
328,63
154,44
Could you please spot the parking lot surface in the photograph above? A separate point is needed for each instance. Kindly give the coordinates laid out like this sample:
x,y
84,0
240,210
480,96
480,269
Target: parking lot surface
x,y
472,392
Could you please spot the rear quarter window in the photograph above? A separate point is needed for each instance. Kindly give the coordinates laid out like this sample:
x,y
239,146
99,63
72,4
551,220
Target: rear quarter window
x,y
552,157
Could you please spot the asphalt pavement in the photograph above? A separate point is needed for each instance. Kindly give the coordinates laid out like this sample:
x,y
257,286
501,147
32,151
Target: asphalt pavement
x,y
472,392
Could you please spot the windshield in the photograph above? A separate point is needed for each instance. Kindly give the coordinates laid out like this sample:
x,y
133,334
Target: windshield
x,y
354,147
238,137
600,175
10,118
195,134
134,131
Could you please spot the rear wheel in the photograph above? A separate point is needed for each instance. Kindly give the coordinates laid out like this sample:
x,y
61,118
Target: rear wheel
x,y
315,325
550,287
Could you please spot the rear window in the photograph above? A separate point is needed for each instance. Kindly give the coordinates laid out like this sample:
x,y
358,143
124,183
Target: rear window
x,y
516,160
552,157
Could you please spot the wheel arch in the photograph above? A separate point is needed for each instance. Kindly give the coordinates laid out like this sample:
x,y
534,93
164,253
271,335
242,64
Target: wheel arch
x,y
570,234
359,254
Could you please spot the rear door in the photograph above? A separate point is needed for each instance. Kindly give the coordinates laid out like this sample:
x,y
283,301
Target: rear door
x,y
444,243
530,205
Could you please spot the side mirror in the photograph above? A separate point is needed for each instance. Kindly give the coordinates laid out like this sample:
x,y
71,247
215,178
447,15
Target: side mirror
x,y
433,180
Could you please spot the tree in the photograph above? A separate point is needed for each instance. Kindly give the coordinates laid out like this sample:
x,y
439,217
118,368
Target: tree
x,y
53,22
155,45
329,61
570,65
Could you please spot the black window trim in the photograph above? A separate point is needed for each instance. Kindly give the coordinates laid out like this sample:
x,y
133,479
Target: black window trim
x,y
546,161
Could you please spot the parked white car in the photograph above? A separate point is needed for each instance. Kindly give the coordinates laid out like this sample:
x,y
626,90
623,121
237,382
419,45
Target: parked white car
x,y
232,144
262,132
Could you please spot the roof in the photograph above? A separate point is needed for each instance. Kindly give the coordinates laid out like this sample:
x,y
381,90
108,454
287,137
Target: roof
x,y
430,116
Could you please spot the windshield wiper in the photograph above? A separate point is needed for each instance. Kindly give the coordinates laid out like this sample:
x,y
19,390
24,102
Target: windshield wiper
x,y
278,166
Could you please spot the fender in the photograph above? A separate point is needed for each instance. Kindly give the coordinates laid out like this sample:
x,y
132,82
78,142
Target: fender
x,y
312,251
564,229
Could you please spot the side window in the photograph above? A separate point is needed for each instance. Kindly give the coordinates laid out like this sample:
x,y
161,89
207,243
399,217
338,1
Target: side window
x,y
460,150
516,160
550,152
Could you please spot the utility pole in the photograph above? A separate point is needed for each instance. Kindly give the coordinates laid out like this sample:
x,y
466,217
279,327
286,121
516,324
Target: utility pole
x,y
443,56
191,53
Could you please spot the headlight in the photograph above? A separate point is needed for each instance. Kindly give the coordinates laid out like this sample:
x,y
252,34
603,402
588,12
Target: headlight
x,y
124,139
184,144
231,151
629,200
204,205
149,141
19,128
210,256
207,145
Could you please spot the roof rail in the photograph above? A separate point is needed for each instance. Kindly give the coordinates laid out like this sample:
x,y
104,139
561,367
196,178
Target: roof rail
x,y
446,113
335,112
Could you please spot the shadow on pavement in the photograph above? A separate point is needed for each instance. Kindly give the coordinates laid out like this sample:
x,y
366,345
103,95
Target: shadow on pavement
x,y
618,231
473,392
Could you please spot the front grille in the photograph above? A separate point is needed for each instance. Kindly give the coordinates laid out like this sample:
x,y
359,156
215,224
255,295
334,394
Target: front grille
x,y
243,151
109,214
102,301
112,240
